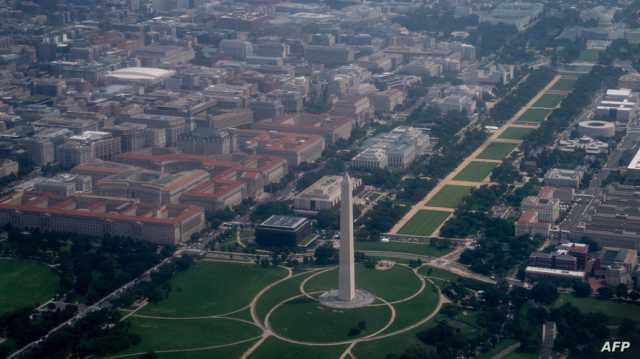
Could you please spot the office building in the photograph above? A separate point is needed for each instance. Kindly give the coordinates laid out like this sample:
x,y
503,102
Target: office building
x,y
323,194
282,231
207,141
100,216
557,177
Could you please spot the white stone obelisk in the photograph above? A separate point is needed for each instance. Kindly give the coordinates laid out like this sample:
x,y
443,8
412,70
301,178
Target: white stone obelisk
x,y
347,280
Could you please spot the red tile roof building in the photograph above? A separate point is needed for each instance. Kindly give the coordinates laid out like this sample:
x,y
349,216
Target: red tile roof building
x,y
98,216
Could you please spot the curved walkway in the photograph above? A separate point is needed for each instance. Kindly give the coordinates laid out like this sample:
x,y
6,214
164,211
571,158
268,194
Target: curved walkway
x,y
268,331
219,346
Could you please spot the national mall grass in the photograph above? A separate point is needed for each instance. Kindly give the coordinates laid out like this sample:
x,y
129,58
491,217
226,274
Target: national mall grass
x,y
617,311
516,133
24,284
211,288
534,115
497,151
475,171
549,101
424,222
450,196
403,247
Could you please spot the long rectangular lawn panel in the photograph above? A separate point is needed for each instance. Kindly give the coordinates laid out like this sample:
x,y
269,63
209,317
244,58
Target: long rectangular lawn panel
x,y
564,85
589,55
535,115
450,196
549,101
424,222
476,171
515,133
497,151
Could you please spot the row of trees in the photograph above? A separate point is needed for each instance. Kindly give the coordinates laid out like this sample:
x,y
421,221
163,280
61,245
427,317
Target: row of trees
x,y
89,267
584,90
513,101
101,332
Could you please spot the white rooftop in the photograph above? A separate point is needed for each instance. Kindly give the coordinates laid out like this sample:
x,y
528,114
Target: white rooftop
x,y
141,74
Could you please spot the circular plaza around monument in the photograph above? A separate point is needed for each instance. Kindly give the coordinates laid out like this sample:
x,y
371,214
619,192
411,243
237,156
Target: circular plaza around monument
x,y
331,298
284,307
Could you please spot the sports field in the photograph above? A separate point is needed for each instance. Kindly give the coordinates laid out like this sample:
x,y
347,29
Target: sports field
x,y
450,196
534,115
25,284
549,101
516,133
497,151
564,84
424,222
476,171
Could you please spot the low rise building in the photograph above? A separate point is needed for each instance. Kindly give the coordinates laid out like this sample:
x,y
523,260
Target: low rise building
x,y
216,194
282,231
64,185
296,148
207,141
324,194
528,224
557,177
88,146
388,100
395,150
332,128
585,143
8,168
153,188
100,216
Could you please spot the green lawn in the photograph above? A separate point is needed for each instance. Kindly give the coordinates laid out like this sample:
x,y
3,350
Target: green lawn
x,y
497,151
587,55
278,293
416,309
476,171
424,222
521,355
396,283
210,288
403,247
398,344
502,345
25,284
615,310
534,115
306,319
450,196
438,273
234,351
162,334
516,133
549,101
564,84
274,348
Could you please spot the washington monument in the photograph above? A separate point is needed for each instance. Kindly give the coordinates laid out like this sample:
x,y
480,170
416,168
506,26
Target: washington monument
x,y
346,296
347,279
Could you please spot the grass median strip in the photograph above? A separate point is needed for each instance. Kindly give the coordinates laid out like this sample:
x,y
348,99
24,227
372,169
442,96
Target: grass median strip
x,y
475,171
424,222
497,151
450,196
516,133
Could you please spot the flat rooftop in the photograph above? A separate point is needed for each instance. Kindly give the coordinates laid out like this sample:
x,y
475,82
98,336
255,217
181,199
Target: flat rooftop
x,y
283,222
